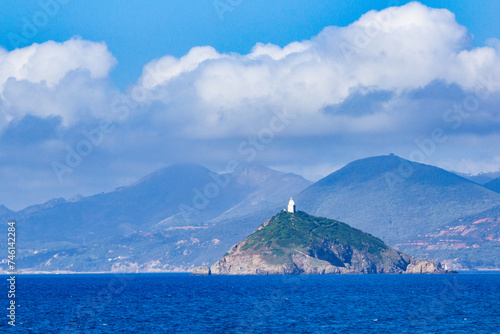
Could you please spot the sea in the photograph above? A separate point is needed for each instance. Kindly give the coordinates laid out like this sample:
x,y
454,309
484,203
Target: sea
x,y
180,303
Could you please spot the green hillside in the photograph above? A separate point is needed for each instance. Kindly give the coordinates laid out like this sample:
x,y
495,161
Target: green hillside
x,y
301,231
298,243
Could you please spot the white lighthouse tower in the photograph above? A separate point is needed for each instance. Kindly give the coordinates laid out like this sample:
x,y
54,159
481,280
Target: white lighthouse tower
x,y
291,206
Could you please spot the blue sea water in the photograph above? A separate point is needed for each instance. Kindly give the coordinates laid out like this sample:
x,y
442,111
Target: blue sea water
x,y
179,303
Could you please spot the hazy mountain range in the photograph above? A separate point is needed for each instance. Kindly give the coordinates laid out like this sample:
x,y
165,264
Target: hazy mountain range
x,y
184,216
185,200
481,178
404,203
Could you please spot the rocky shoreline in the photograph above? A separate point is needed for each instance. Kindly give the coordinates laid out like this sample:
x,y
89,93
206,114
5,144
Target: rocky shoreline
x,y
300,244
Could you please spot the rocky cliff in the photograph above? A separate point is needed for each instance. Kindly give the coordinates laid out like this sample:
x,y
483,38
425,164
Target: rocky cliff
x,y
298,243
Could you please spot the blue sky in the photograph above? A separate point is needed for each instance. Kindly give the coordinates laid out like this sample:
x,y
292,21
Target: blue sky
x,y
114,90
138,31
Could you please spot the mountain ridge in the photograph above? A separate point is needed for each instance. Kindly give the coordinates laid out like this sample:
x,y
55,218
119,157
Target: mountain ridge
x,y
145,215
146,209
374,195
493,185
481,178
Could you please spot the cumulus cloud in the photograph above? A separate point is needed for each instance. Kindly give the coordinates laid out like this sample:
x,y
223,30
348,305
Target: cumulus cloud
x,y
385,83
207,94
167,68
395,50
49,62
55,79
75,98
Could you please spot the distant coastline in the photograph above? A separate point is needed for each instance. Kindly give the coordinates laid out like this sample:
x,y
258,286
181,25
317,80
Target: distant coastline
x,y
36,272
490,270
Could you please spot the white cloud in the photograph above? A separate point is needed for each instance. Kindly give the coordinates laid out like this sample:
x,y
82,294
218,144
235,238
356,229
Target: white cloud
x,y
49,62
472,167
164,69
77,97
379,85
209,94
63,79
397,49
277,53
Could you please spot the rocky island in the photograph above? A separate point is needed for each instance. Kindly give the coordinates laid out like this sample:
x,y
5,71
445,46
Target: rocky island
x,y
293,243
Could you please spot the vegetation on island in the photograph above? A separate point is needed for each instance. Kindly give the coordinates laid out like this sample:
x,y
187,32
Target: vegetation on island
x,y
301,231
